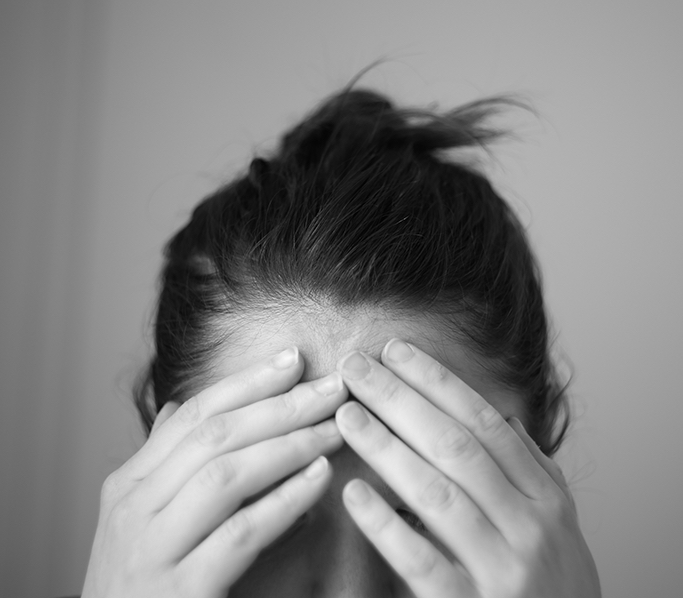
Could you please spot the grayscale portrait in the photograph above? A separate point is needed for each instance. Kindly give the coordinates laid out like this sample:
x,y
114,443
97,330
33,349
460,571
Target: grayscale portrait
x,y
341,300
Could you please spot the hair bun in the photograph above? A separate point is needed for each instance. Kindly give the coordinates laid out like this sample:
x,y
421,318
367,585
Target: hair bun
x,y
360,120
347,120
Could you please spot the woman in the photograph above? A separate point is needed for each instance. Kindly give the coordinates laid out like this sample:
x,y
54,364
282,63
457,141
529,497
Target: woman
x,y
359,297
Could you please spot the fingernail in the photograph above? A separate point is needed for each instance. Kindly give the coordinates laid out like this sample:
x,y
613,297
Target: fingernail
x,y
328,428
398,351
316,469
357,492
329,384
353,416
355,366
286,359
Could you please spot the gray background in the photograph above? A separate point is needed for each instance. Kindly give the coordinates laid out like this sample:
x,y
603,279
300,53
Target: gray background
x,y
116,116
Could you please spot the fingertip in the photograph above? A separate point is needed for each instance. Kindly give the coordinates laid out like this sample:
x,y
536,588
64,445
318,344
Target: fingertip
x,y
164,413
285,367
341,361
314,480
397,351
513,421
286,359
327,428
318,469
516,424
351,416
357,492
332,384
551,467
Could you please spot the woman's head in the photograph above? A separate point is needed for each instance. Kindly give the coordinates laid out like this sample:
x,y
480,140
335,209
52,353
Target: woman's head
x,y
361,210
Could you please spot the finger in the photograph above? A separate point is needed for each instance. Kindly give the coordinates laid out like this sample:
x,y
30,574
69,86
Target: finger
x,y
222,485
166,411
263,380
548,464
451,395
225,554
444,507
441,440
428,573
304,405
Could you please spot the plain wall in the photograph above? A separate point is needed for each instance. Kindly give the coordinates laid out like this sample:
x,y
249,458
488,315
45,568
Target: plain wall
x,y
117,116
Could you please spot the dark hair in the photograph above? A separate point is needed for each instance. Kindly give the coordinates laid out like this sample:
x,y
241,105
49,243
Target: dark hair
x,y
361,204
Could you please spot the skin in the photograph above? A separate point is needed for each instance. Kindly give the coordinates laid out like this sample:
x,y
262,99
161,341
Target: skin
x,y
453,501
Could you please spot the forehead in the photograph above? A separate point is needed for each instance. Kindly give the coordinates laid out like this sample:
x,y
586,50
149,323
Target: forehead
x,y
324,334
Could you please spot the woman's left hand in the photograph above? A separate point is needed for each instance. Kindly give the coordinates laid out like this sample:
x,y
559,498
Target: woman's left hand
x,y
499,509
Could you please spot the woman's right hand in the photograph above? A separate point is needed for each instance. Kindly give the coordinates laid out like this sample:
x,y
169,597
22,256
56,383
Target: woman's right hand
x,y
172,521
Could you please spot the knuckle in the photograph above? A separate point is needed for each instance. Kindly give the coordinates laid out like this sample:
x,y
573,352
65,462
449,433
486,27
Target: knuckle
x,y
288,405
542,528
528,539
440,494
213,431
122,514
218,473
238,530
112,488
285,497
513,578
534,532
382,521
389,390
421,561
434,373
381,440
561,510
487,420
455,443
